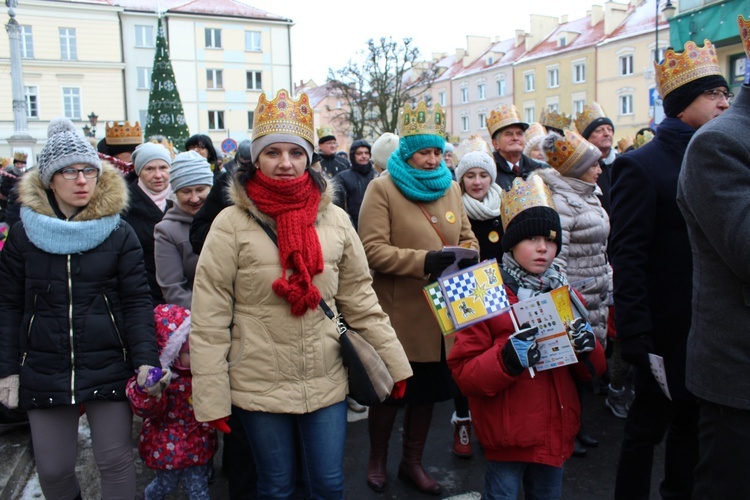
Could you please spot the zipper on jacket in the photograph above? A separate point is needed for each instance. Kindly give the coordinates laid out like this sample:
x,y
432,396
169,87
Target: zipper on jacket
x,y
114,324
28,330
70,334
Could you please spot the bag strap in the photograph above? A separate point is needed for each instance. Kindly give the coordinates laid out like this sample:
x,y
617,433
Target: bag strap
x,y
433,223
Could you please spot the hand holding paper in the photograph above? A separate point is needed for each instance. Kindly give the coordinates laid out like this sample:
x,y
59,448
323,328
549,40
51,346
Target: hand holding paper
x,y
581,336
521,351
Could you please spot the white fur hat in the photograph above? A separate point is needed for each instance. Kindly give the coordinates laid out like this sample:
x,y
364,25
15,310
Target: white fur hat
x,y
382,149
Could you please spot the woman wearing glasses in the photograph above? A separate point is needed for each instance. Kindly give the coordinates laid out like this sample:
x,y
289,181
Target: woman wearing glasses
x,y
77,319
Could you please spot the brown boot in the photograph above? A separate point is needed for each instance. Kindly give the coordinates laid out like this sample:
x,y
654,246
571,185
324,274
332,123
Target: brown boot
x,y
379,424
461,436
417,420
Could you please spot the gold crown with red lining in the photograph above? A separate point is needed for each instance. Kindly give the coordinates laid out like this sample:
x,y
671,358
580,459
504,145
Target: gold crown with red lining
x,y
568,151
284,115
123,133
524,195
421,120
502,117
553,119
744,25
692,63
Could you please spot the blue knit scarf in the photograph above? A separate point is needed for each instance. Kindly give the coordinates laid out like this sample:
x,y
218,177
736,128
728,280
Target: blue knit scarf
x,y
419,185
64,237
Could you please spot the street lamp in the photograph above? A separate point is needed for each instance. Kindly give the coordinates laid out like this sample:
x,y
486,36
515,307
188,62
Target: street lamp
x,y
91,131
668,11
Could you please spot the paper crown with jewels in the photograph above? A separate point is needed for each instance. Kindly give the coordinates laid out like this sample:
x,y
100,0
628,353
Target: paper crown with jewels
x,y
642,138
164,142
553,119
284,115
692,63
570,151
535,132
624,143
523,195
18,156
326,131
744,25
473,143
504,116
123,133
421,120
589,113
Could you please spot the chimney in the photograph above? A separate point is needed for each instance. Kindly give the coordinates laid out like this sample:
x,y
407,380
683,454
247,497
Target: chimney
x,y
597,14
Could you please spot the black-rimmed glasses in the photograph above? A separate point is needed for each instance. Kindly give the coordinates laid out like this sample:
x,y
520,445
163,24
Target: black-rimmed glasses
x,y
71,174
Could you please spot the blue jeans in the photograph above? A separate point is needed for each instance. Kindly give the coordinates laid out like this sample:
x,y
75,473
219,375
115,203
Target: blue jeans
x,y
320,436
502,481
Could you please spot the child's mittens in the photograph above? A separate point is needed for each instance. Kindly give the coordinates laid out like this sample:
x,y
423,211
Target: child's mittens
x,y
152,379
221,424
581,336
521,351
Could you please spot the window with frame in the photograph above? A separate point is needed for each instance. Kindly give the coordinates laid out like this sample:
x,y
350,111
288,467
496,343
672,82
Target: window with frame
x,y
626,65
31,96
68,50
428,99
215,120
214,79
464,95
529,113
482,91
553,78
27,43
213,38
71,102
578,105
626,104
442,98
254,81
662,50
501,87
144,78
482,120
250,119
553,107
528,82
579,72
144,36
252,41
142,116
465,123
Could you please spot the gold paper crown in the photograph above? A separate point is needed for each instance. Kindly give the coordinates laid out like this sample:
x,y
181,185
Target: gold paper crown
x,y
473,143
18,156
503,117
123,133
642,138
590,113
326,132
524,195
535,131
421,120
624,143
692,63
744,25
284,115
568,151
166,143
553,119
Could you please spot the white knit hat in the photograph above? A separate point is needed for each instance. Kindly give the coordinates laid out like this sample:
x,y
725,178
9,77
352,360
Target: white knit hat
x,y
382,149
476,159
65,147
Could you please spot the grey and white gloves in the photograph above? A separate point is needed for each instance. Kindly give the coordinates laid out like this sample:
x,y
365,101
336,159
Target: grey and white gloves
x,y
581,336
521,351
9,391
152,380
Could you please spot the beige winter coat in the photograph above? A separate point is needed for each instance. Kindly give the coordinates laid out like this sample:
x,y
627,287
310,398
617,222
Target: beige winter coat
x,y
247,348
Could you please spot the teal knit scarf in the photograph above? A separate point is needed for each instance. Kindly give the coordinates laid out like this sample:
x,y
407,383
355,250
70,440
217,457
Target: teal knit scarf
x,y
419,185
65,237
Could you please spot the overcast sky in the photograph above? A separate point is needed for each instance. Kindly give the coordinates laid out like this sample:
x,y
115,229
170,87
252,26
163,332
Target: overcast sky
x,y
329,33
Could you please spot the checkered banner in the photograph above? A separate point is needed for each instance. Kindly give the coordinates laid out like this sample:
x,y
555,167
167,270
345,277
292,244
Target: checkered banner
x,y
434,296
474,294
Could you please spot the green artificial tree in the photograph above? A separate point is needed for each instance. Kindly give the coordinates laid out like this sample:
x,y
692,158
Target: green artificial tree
x,y
165,115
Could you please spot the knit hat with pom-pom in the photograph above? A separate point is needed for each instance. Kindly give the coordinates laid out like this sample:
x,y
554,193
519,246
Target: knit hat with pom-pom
x,y
65,147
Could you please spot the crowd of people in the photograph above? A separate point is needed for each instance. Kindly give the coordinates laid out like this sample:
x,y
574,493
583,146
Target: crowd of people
x,y
196,294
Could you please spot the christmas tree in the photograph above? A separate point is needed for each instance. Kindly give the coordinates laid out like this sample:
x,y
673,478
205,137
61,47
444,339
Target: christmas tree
x,y
165,115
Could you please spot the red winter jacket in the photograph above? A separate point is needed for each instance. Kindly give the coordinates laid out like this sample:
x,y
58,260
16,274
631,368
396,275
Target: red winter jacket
x,y
518,419
171,438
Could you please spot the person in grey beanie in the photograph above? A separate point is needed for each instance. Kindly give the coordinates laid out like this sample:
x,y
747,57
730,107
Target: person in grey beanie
x,y
77,312
191,180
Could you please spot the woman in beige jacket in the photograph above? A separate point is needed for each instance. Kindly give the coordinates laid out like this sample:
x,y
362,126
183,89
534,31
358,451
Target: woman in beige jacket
x,y
260,340
405,220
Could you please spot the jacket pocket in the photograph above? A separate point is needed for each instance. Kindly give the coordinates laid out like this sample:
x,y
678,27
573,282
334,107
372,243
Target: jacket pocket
x,y
118,334
253,361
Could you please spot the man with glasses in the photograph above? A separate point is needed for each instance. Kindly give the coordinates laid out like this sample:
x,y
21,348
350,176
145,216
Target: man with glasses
x,y
652,264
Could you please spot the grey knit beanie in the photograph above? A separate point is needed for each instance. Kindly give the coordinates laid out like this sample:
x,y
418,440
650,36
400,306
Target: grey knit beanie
x,y
476,159
190,169
65,147
148,152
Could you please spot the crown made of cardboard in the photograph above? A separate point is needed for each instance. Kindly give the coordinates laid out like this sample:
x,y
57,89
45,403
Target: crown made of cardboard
x,y
18,156
284,115
569,149
473,143
642,138
123,133
553,119
166,143
534,132
744,25
421,120
326,131
524,194
503,117
589,113
624,143
692,63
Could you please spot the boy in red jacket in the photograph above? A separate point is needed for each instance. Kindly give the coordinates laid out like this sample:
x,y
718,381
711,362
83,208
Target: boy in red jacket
x,y
526,425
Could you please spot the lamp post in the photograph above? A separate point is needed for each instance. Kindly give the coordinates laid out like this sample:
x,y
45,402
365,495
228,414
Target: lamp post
x,y
668,11
20,140
90,131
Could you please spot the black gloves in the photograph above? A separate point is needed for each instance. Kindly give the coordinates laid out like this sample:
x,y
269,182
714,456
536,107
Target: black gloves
x,y
635,350
468,262
581,336
521,351
436,262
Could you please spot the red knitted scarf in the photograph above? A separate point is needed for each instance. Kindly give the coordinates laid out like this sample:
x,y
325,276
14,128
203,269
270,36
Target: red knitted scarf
x,y
293,204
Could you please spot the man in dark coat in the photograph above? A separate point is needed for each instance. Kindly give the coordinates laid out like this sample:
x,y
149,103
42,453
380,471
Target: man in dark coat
x,y
354,181
506,130
652,266
713,196
331,163
599,130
